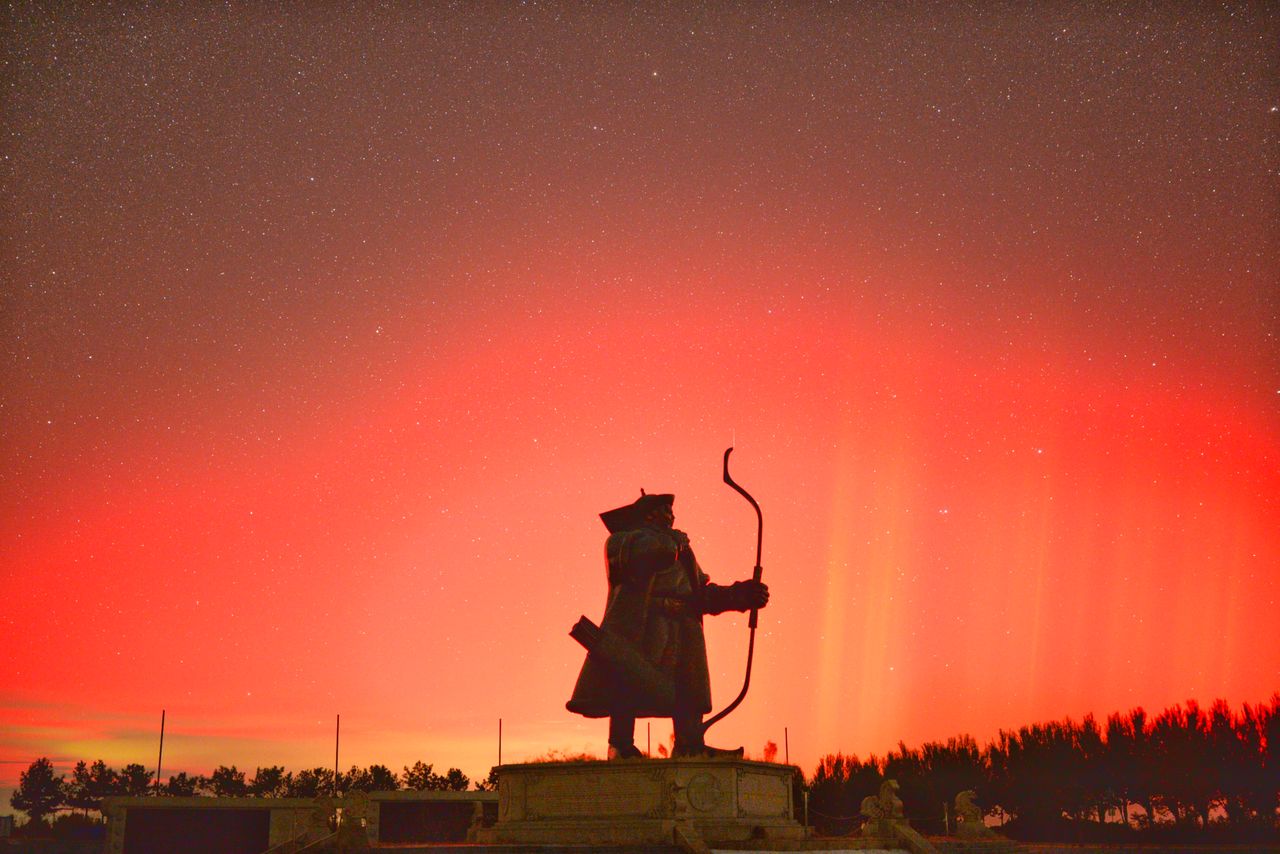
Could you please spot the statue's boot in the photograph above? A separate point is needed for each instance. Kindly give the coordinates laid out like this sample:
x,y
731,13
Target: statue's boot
x,y
705,751
625,751
689,743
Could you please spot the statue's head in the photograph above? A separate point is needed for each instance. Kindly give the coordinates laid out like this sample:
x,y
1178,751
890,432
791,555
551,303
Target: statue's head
x,y
647,509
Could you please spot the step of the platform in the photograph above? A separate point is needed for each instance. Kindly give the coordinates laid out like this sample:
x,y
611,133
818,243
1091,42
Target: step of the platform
x,y
975,846
826,846
416,848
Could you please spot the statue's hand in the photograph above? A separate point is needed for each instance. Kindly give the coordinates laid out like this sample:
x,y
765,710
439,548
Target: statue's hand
x,y
752,594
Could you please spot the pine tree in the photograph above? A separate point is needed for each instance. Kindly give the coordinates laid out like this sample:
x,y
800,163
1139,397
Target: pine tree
x,y
39,792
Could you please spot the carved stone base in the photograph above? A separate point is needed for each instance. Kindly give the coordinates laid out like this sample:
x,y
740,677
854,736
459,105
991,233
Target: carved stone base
x,y
643,801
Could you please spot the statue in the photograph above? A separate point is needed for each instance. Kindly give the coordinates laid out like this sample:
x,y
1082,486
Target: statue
x,y
885,805
969,821
657,598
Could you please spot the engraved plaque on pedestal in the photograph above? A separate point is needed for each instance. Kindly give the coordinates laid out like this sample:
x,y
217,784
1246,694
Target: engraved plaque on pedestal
x,y
763,795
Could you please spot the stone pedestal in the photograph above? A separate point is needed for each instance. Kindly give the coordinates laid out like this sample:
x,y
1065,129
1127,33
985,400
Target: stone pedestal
x,y
643,801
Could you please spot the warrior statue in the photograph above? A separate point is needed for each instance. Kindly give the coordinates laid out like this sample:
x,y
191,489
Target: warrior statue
x,y
657,597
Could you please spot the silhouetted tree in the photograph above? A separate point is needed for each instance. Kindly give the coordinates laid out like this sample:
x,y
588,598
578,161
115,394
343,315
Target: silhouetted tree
x,y
1229,759
1184,765
355,780
81,793
1257,787
1117,762
453,781
418,777
227,782
39,792
1029,768
135,780
182,786
421,778
375,778
75,795
268,782
1269,722
996,755
1089,791
382,779
929,778
836,791
1143,774
312,782
922,804
90,785
950,768
489,783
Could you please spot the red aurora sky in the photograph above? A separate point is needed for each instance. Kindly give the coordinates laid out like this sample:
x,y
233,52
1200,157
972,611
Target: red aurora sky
x,y
329,330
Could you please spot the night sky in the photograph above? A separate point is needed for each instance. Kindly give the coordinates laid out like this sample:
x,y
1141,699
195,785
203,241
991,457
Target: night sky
x,y
329,329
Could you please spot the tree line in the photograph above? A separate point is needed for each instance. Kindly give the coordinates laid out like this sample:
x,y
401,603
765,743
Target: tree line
x,y
41,793
1187,772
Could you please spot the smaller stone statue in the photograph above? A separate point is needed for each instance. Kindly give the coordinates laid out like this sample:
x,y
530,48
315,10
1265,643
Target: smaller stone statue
x,y
477,822
342,820
883,812
886,805
969,821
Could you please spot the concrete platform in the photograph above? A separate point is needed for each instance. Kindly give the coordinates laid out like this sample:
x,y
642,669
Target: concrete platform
x,y
644,802
830,848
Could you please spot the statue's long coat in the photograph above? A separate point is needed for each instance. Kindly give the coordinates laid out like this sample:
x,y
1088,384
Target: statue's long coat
x,y
647,571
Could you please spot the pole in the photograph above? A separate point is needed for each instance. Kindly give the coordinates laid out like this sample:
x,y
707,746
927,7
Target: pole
x,y
648,738
337,732
786,745
499,741
160,757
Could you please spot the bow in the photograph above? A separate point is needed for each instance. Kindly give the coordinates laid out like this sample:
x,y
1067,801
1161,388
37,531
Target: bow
x,y
751,643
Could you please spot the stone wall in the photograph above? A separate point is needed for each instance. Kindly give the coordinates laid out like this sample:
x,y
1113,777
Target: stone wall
x,y
442,816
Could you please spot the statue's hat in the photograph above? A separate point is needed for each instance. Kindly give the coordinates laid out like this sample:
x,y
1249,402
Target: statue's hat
x,y
632,515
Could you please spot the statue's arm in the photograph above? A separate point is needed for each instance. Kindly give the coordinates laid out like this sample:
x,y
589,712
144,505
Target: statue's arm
x,y
739,596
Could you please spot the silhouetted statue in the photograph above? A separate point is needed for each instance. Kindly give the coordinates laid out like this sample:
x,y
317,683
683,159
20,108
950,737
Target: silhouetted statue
x,y
652,658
